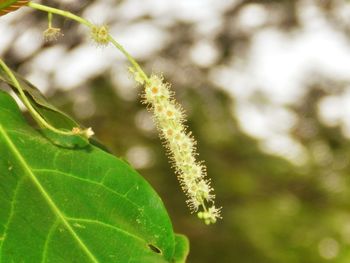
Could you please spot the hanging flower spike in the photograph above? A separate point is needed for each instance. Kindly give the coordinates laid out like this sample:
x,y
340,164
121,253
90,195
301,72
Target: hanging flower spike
x,y
169,118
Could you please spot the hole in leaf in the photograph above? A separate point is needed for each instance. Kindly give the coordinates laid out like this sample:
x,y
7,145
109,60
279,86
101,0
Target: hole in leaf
x,y
154,249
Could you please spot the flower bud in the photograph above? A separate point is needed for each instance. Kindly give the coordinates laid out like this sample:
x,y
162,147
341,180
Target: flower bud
x,y
100,34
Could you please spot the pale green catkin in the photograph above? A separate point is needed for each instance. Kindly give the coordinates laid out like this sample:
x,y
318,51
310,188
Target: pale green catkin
x,y
169,118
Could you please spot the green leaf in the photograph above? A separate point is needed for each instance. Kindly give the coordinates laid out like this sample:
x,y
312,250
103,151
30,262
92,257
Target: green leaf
x,y
81,205
71,141
50,113
53,115
182,247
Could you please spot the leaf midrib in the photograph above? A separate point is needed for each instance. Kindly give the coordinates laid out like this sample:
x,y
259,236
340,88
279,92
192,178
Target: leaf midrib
x,y
46,196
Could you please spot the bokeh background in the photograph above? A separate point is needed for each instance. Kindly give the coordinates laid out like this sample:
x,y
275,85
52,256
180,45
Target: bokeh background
x,y
266,87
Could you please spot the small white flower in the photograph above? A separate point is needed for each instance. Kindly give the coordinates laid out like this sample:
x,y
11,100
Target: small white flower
x,y
52,34
89,132
211,215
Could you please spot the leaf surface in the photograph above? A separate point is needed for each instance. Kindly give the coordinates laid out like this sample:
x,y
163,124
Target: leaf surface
x,y
81,205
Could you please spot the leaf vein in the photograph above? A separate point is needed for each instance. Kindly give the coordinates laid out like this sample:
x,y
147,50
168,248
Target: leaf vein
x,y
15,192
48,238
89,181
92,221
46,196
104,176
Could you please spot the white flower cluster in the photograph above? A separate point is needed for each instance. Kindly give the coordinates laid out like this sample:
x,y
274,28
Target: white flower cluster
x,y
169,117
